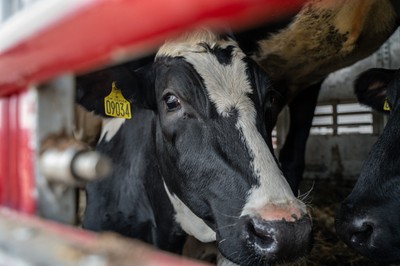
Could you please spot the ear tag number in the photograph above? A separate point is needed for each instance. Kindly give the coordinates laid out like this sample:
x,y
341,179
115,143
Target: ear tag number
x,y
116,105
386,106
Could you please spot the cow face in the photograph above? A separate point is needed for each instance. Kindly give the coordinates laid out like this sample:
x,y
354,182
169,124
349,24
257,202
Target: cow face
x,y
214,153
369,218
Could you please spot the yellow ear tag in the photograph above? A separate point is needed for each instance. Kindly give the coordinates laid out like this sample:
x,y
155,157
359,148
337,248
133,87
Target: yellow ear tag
x,y
386,106
116,105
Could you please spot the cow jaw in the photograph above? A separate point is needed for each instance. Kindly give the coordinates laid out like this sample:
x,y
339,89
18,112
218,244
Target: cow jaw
x,y
189,221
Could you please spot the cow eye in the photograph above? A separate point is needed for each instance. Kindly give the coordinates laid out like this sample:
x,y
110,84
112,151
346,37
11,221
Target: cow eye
x,y
173,103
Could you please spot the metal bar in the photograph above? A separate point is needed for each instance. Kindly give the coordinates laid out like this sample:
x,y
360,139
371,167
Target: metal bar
x,y
30,241
17,186
345,113
54,117
102,31
342,125
13,153
4,134
26,152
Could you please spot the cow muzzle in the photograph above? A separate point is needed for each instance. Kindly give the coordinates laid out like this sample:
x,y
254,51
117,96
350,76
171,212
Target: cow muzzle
x,y
278,240
373,236
268,241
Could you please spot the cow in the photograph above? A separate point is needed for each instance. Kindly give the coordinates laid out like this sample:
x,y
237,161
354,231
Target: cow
x,y
196,157
298,53
368,220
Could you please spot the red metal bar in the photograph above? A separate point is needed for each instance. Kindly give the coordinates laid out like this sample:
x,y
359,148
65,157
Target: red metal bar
x,y
13,150
26,152
4,135
105,30
17,185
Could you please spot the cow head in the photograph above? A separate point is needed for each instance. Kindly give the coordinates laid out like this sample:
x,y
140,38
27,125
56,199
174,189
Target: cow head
x,y
214,154
369,218
370,88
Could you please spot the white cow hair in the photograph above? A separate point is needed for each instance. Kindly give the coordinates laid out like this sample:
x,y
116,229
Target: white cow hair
x,y
110,127
190,222
228,88
190,42
222,261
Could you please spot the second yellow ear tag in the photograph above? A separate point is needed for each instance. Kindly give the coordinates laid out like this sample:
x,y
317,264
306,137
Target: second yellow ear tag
x,y
386,106
116,105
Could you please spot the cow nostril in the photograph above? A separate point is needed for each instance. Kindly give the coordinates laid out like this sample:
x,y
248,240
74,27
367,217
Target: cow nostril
x,y
262,238
273,240
361,235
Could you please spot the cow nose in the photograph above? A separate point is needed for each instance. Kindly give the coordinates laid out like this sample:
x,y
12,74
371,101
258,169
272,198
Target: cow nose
x,y
279,238
264,236
357,232
355,229
361,232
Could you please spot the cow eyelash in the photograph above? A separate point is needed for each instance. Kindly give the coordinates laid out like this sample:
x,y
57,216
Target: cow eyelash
x,y
172,102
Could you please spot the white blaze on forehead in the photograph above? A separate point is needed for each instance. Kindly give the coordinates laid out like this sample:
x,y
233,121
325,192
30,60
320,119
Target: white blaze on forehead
x,y
189,221
228,87
110,127
189,43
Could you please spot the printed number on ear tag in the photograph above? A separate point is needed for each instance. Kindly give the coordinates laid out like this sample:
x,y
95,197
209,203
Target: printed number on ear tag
x,y
386,106
116,105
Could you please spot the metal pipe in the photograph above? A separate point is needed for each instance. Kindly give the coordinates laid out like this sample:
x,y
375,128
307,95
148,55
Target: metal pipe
x,y
72,166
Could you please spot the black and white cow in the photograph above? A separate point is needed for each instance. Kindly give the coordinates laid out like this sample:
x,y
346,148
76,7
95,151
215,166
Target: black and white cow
x,y
196,157
369,218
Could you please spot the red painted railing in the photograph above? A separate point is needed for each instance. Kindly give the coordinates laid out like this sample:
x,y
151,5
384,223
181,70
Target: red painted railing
x,y
17,186
105,30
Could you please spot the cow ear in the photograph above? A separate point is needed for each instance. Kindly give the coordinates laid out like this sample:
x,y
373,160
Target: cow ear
x,y
371,88
121,83
272,100
142,94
